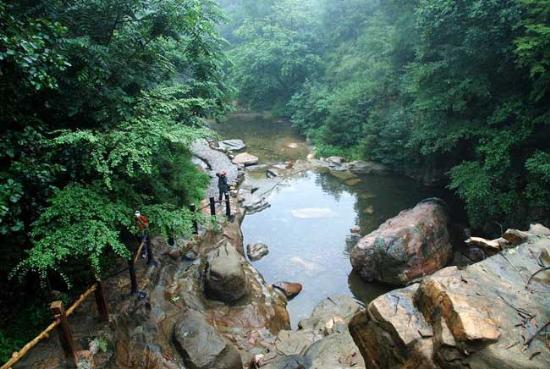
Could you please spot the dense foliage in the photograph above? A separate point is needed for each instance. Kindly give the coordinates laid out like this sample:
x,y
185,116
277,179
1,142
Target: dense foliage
x,y
452,92
99,102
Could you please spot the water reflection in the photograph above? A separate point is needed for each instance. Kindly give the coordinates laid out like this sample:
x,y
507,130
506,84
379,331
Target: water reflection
x,y
311,215
270,140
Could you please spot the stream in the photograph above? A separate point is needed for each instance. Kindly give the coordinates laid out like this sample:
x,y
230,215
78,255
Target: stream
x,y
311,214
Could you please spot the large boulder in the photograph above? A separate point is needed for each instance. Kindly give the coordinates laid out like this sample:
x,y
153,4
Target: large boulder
x,y
489,315
201,347
245,159
413,244
225,277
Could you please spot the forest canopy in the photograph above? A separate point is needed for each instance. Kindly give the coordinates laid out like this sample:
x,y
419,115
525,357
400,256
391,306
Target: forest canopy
x,y
449,92
99,102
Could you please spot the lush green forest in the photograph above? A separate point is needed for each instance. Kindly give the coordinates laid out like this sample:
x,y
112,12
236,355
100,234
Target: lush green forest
x,y
99,102
451,92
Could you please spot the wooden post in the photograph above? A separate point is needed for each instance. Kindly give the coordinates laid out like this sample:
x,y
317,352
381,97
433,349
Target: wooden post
x,y
212,207
150,257
227,206
193,209
64,330
133,278
101,302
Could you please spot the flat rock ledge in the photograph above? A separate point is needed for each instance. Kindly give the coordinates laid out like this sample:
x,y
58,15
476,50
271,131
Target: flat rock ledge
x,y
493,314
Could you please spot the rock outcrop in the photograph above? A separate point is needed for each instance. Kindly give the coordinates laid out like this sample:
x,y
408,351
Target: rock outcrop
x,y
201,346
323,340
492,314
225,277
367,167
413,244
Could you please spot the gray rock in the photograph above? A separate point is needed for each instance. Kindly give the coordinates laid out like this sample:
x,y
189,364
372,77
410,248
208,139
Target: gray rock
x,y
232,145
272,173
257,251
289,362
245,159
201,347
337,160
344,307
225,278
367,167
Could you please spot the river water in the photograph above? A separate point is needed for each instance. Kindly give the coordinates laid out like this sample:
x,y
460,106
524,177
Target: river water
x,y
311,214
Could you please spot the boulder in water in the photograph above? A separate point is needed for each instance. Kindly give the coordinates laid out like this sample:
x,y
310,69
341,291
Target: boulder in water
x,y
232,145
367,167
245,159
412,244
289,289
225,277
201,347
256,251
487,315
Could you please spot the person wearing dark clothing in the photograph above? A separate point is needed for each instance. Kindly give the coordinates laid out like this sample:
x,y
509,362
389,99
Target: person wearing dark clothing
x,y
143,225
223,186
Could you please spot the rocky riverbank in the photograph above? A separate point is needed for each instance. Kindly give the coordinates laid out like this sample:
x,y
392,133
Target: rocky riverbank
x,y
493,314
204,306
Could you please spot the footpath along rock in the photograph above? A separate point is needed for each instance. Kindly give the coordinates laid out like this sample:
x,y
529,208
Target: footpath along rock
x,y
201,347
413,244
489,315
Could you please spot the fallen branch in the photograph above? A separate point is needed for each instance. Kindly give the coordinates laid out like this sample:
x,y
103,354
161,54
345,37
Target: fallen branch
x,y
534,274
530,339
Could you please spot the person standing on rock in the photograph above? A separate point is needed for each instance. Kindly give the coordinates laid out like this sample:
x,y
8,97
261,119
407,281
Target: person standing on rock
x,y
223,186
143,225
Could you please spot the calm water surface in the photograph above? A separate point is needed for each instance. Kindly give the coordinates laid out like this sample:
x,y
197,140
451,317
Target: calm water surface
x,y
310,217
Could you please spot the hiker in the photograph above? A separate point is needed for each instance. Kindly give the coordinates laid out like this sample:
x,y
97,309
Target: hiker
x,y
143,225
223,186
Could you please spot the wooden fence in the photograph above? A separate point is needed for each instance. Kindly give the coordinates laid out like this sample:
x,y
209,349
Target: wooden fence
x,y
60,314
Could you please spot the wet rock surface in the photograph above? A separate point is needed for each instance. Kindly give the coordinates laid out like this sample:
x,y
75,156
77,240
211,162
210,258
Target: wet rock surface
x,y
245,159
225,277
492,314
201,346
232,145
256,251
323,340
289,289
413,244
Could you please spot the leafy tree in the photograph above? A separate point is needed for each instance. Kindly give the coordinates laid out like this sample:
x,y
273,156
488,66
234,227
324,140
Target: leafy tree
x,y
99,102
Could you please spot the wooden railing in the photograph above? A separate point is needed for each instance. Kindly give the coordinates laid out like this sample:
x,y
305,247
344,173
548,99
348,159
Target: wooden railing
x,y
61,315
